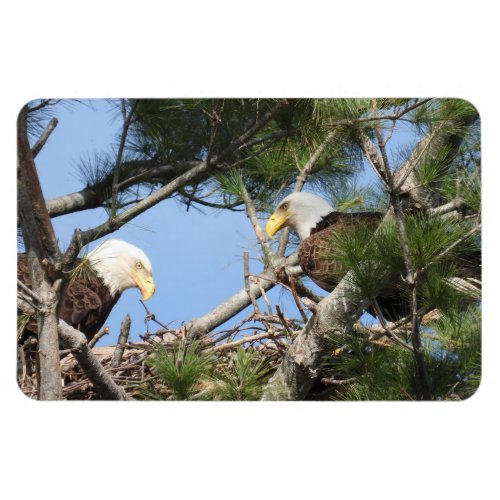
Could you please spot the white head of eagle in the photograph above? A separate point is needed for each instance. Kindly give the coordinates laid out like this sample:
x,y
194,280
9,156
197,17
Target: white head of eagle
x,y
300,212
121,265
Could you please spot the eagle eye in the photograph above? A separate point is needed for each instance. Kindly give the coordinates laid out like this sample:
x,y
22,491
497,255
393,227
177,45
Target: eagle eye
x,y
138,265
284,206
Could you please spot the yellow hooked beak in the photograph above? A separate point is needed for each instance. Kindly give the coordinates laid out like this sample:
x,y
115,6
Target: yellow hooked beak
x,y
276,222
146,285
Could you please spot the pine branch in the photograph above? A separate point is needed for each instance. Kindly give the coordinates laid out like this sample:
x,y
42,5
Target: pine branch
x,y
80,239
335,314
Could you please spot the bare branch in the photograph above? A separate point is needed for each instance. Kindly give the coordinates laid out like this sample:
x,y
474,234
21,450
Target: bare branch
x,y
98,336
44,137
28,291
233,305
122,340
245,340
252,215
246,273
127,121
44,259
104,384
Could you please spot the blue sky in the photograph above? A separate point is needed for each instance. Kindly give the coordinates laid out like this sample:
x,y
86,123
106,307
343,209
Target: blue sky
x,y
196,257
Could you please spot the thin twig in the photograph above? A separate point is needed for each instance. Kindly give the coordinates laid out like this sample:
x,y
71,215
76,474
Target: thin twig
x,y
246,271
296,298
264,295
151,317
127,121
44,137
283,320
387,330
252,215
98,336
122,340
244,340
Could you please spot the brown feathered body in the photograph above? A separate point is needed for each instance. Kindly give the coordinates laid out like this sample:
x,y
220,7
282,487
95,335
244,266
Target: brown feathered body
x,y
85,305
315,251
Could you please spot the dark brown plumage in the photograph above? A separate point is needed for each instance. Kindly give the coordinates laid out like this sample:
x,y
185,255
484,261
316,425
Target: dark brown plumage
x,y
319,227
315,258
314,250
85,305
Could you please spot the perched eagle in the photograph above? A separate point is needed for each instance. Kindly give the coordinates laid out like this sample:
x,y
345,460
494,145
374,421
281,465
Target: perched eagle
x,y
97,283
315,222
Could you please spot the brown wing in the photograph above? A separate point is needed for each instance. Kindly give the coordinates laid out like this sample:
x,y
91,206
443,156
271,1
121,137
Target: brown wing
x,y
316,253
85,305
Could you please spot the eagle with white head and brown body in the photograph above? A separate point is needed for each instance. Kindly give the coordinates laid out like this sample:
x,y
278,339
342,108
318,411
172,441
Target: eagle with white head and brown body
x,y
315,220
101,278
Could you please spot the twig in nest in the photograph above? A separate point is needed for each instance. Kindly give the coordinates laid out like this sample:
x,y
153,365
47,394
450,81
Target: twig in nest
x,y
263,293
296,299
223,335
248,289
283,320
120,347
151,317
93,341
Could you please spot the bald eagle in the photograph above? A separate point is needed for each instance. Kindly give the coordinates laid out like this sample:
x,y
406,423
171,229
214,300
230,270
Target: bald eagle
x,y
96,284
315,222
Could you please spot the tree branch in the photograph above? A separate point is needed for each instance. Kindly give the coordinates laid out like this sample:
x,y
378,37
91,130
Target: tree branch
x,y
103,382
44,137
122,340
301,363
336,313
127,121
80,239
233,305
44,260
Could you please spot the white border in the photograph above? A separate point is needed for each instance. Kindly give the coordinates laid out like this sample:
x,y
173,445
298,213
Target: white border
x,y
227,450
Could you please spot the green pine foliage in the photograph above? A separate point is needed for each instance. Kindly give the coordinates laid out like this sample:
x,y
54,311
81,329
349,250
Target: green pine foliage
x,y
438,249
83,270
373,371
172,132
190,372
22,322
181,371
459,333
242,377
